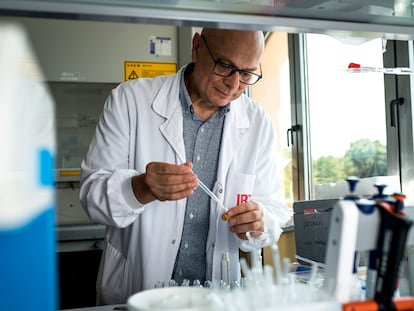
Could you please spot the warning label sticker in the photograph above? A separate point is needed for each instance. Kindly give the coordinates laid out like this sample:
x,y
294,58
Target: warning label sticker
x,y
134,70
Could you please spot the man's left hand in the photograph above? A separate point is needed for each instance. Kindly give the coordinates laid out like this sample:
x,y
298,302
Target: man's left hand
x,y
246,217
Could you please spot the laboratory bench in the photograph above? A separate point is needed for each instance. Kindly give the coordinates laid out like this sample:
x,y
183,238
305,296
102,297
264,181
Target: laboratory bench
x,y
79,252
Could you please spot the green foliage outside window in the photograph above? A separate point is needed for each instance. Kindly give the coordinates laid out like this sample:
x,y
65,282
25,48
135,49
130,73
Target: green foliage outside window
x,y
364,158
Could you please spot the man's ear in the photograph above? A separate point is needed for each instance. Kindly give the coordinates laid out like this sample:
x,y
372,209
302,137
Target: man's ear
x,y
196,46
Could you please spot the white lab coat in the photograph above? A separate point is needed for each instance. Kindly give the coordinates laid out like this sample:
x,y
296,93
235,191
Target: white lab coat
x,y
142,122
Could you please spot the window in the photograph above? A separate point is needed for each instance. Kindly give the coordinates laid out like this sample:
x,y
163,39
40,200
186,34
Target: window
x,y
347,122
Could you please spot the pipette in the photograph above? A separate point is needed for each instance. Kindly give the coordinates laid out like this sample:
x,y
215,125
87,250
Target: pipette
x,y
214,197
357,68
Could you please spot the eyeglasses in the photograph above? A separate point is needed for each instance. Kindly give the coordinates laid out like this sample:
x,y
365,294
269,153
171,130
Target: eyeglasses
x,y
226,70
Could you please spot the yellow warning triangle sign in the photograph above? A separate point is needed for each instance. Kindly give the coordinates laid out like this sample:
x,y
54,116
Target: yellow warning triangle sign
x,y
133,75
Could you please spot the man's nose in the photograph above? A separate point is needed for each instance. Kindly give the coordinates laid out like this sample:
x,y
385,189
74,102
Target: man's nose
x,y
233,80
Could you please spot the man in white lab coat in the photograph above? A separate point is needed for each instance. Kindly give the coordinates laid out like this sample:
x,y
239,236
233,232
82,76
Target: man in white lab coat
x,y
154,138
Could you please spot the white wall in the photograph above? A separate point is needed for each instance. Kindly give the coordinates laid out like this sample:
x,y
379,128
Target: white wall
x,y
90,51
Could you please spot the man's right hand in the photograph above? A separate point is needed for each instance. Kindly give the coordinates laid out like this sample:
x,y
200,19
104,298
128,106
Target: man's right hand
x,y
164,181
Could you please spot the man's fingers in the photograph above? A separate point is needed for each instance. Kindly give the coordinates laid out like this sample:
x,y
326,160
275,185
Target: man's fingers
x,y
161,168
170,181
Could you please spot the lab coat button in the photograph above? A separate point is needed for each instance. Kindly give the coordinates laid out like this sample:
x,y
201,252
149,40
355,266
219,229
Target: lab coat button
x,y
173,242
220,190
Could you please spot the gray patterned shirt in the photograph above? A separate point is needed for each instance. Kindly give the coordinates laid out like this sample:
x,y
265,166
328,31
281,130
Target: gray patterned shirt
x,y
202,146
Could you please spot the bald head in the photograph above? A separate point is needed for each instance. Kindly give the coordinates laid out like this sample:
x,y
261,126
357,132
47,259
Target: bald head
x,y
241,48
249,41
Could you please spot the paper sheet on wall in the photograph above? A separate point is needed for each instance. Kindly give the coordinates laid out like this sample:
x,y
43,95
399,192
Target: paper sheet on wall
x,y
160,45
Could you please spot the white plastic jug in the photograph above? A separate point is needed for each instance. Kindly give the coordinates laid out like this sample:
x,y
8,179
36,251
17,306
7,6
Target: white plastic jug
x,y
27,202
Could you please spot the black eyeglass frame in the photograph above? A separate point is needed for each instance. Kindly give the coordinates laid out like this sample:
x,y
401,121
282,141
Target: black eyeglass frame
x,y
233,69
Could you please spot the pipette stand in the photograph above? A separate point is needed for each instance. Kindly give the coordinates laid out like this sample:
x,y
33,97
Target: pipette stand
x,y
352,231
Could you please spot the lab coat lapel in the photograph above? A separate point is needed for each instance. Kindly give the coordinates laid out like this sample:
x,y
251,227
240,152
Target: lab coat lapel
x,y
236,125
168,106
